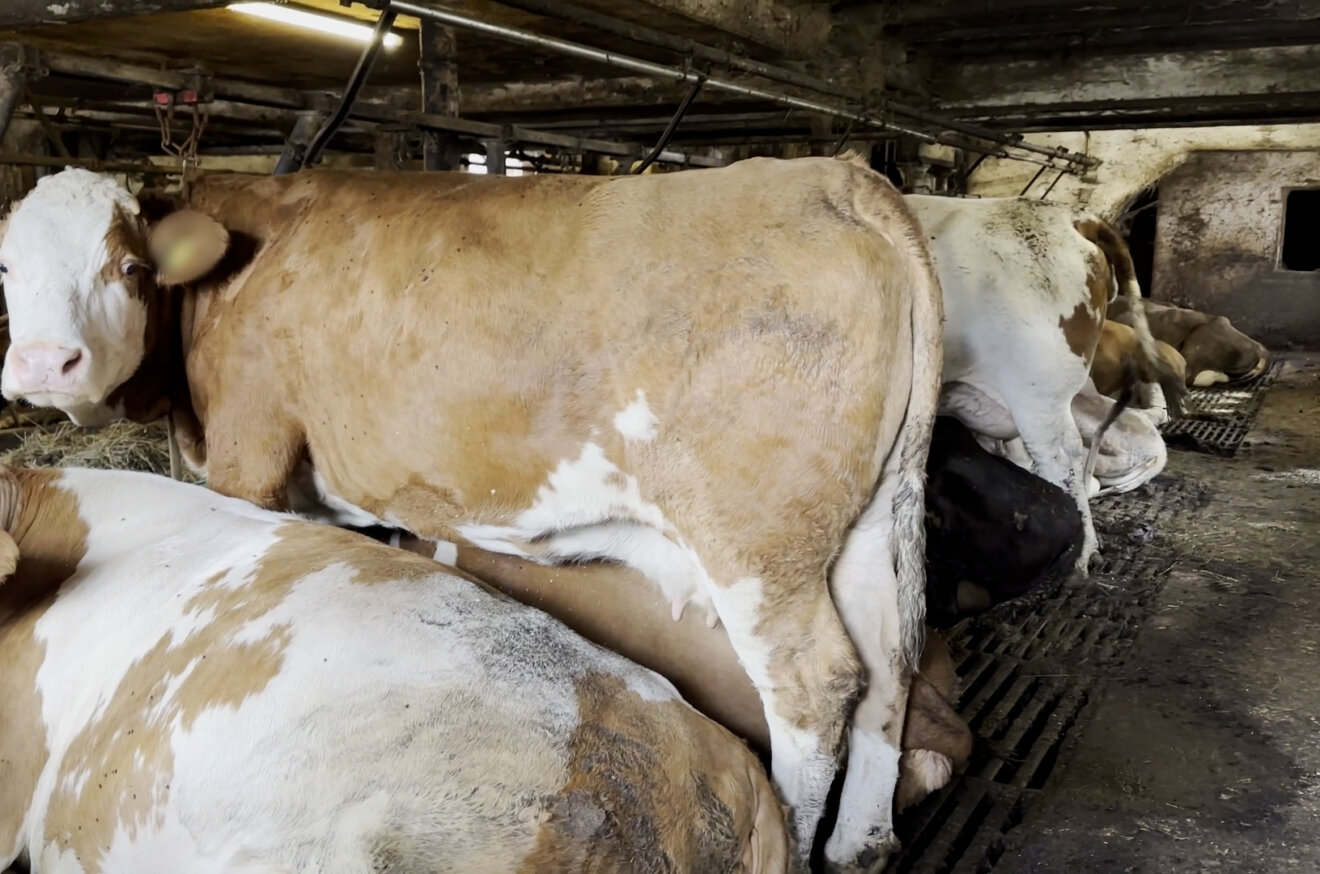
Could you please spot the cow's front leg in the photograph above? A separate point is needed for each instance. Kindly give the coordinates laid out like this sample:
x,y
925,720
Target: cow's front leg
x,y
253,459
792,644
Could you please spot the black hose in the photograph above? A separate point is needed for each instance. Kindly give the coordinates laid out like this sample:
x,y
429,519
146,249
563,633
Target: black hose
x,y
671,127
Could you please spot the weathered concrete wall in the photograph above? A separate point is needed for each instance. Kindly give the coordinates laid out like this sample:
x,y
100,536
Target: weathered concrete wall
x,y
1133,160
1218,238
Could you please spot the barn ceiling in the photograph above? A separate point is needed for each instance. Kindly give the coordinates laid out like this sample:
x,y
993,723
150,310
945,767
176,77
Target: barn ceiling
x,y
1012,65
960,29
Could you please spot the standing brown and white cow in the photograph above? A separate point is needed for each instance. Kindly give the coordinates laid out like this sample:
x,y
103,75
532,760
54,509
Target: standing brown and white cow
x,y
725,379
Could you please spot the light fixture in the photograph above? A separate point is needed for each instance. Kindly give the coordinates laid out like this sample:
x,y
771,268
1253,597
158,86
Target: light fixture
x,y
312,21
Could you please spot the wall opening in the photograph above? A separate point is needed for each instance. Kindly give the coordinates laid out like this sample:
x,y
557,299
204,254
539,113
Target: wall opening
x,y
1301,230
1138,227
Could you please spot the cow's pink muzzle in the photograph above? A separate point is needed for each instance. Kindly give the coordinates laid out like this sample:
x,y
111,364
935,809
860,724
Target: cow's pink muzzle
x,y
42,368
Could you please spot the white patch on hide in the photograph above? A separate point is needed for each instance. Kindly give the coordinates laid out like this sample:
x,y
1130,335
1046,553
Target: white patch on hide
x,y
588,509
446,553
636,421
341,511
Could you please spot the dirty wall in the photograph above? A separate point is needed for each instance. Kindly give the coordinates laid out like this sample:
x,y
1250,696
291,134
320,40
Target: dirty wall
x,y
1222,192
1219,237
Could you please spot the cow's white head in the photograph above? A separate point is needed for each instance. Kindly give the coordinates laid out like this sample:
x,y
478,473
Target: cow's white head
x,y
81,269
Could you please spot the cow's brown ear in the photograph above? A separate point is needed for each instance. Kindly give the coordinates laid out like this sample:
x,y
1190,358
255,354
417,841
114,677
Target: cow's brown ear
x,y
185,246
8,555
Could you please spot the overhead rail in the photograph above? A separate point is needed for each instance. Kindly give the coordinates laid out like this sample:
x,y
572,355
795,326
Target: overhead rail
x,y
1002,143
698,51
242,98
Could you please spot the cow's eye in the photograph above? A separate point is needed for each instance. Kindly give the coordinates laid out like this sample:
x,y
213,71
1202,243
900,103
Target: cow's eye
x,y
130,268
4,268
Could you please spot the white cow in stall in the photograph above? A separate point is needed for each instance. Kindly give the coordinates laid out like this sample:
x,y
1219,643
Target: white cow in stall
x,y
1026,285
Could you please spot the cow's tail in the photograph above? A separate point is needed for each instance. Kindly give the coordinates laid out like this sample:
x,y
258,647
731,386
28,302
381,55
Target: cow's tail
x,y
914,444
1125,398
909,509
1153,369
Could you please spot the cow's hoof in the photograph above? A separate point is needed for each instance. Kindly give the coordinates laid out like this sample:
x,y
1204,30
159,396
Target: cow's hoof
x,y
870,860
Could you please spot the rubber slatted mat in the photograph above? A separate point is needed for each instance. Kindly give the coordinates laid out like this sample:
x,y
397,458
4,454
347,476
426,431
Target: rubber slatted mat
x,y
1028,671
1219,418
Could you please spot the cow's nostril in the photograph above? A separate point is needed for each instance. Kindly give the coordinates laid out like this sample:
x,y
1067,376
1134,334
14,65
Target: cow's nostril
x,y
72,362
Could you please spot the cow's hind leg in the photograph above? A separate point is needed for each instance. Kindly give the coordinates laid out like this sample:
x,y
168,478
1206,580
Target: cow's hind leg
x,y
865,590
1055,445
794,648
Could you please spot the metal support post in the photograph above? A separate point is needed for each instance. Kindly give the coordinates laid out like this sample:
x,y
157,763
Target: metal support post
x,y
495,163
438,63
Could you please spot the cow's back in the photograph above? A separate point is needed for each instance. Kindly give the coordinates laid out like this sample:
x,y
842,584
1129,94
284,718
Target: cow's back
x,y
493,329
1014,273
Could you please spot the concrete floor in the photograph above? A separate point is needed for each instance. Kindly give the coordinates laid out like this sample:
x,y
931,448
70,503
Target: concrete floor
x,y
1204,755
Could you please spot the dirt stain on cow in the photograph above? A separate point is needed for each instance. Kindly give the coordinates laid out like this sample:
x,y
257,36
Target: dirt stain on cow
x,y
648,790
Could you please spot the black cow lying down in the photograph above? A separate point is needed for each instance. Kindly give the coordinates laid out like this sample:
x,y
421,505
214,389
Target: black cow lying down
x,y
994,531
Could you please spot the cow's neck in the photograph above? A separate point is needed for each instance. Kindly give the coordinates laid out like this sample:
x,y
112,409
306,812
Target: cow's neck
x,y
159,386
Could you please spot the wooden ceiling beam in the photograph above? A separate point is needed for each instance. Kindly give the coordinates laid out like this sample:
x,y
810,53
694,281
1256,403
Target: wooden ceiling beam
x,y
1207,85
934,16
795,29
21,14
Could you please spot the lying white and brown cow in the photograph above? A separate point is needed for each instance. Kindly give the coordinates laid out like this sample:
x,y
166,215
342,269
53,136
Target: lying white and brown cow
x,y
1215,351
723,378
1026,286
196,685
1118,355
1132,451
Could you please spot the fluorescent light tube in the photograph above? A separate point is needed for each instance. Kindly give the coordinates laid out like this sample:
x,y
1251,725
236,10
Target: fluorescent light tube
x,y
312,21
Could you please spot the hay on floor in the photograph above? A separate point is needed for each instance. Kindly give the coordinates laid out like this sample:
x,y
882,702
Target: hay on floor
x,y
118,446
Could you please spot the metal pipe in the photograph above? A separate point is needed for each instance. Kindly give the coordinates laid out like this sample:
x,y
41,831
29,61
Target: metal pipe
x,y
1027,187
20,159
649,68
290,99
366,61
175,80
1052,184
496,165
659,39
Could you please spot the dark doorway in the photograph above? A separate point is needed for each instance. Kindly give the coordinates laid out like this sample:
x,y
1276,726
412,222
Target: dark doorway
x,y
1301,230
1138,226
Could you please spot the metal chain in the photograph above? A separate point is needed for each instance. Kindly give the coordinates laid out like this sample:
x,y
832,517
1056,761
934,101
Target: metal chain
x,y
185,151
